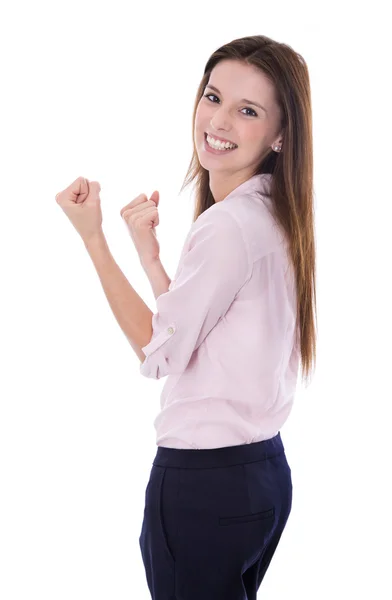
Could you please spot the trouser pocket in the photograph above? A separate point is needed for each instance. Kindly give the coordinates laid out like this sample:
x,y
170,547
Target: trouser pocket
x,y
264,514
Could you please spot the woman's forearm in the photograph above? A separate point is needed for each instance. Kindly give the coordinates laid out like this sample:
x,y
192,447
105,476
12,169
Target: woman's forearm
x,y
157,276
131,312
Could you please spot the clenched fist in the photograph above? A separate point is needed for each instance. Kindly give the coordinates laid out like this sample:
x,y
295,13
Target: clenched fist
x,y
141,217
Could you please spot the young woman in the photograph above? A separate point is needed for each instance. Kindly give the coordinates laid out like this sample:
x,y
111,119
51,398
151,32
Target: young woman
x,y
231,330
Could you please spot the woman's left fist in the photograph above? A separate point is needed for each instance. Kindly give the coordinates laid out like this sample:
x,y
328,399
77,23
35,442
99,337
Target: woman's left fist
x,y
81,203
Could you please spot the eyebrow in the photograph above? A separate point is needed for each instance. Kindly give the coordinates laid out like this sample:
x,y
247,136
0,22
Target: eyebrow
x,y
242,100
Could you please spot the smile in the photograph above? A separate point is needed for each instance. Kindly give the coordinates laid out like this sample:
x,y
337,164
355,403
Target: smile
x,y
217,149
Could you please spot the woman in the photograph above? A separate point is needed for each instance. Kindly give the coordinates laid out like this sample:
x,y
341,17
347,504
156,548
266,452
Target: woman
x,y
231,329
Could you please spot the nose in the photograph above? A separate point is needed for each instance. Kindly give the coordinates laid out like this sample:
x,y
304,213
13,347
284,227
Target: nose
x,y
220,120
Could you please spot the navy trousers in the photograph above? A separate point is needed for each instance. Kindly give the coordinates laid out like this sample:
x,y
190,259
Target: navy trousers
x,y
213,519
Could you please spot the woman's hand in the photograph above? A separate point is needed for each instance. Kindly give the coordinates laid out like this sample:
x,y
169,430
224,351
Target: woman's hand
x,y
141,217
81,203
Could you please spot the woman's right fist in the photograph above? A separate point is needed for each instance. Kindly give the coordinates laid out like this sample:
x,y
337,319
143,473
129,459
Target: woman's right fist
x,y
141,217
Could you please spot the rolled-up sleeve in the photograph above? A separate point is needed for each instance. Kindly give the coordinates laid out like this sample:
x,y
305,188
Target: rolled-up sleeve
x,y
213,270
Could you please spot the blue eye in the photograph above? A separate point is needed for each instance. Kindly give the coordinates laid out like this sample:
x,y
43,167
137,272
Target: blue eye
x,y
247,108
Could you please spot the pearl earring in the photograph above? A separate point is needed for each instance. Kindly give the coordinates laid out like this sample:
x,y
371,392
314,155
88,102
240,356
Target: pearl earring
x,y
277,148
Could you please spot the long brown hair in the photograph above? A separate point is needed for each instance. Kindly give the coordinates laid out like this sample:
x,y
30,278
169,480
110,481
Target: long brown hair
x,y
292,169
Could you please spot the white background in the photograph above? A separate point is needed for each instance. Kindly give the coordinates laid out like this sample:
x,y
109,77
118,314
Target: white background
x,y
106,90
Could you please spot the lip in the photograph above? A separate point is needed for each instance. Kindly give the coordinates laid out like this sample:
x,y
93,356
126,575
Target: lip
x,y
216,137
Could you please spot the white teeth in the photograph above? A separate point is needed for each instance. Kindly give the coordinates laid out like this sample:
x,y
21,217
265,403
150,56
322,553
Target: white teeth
x,y
219,145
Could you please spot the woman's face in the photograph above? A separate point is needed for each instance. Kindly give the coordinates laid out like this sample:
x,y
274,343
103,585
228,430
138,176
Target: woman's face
x,y
225,114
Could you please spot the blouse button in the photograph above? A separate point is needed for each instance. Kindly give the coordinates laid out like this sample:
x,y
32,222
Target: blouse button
x,y
170,330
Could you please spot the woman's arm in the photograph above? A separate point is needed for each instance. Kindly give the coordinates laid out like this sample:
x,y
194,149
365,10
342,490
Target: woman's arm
x,y
131,312
157,276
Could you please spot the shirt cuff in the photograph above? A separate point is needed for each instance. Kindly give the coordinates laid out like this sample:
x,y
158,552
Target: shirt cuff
x,y
155,365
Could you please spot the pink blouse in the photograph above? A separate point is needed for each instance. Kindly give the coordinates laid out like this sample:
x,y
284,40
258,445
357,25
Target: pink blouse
x,y
223,333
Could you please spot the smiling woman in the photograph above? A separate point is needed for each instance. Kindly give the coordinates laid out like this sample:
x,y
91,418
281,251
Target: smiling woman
x,y
230,331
